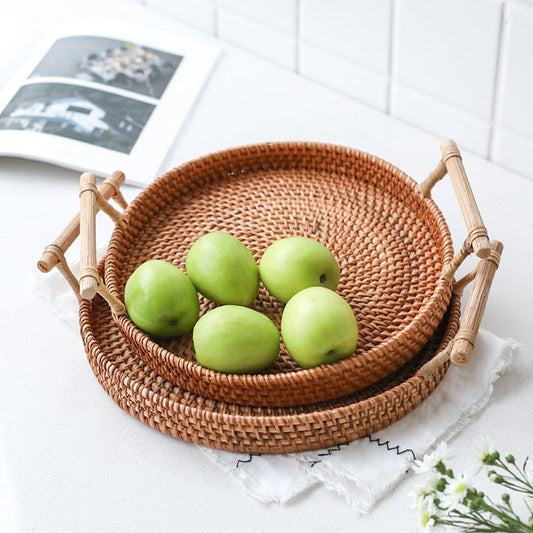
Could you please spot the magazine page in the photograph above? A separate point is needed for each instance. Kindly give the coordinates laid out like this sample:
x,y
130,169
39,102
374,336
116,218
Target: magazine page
x,y
101,96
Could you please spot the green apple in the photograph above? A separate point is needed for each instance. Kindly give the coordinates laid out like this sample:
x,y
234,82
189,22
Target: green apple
x,y
318,326
236,340
223,269
161,300
295,263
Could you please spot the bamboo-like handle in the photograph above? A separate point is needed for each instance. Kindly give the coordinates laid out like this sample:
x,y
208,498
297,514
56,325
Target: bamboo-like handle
x,y
464,341
477,233
52,255
459,349
435,175
88,278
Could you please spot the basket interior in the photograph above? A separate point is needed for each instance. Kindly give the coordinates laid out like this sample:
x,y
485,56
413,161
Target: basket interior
x,y
390,242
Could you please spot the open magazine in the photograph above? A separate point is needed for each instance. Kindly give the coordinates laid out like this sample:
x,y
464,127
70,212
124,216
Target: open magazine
x,y
101,95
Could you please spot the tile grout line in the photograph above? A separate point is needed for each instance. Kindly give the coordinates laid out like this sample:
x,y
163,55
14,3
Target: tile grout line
x,y
297,34
215,20
392,55
497,83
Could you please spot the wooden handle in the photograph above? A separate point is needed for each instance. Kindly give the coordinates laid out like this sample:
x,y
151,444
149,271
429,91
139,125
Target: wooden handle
x,y
477,233
464,341
52,254
460,348
88,278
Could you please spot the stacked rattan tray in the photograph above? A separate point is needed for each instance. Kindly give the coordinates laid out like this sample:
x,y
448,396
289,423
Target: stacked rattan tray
x,y
397,273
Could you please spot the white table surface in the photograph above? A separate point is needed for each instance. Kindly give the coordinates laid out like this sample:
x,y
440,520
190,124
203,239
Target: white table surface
x,y
70,459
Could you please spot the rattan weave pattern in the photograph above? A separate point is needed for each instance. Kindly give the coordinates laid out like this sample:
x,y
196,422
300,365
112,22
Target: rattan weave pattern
x,y
391,244
168,408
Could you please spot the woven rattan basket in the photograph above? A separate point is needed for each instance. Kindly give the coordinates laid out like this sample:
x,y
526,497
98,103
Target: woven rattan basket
x,y
392,242
168,408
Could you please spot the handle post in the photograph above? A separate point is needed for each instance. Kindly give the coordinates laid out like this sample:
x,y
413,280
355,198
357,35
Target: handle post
x,y
464,341
477,233
88,277
435,175
460,348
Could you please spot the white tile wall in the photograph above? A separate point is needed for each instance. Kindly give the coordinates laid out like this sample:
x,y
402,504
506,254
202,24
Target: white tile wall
x,y
444,68
438,117
198,13
441,51
349,78
258,38
513,139
356,30
456,68
279,15
345,45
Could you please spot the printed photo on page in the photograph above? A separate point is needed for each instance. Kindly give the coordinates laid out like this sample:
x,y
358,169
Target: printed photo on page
x,y
102,96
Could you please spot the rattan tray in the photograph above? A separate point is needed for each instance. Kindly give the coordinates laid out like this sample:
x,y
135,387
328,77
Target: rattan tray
x,y
392,242
168,408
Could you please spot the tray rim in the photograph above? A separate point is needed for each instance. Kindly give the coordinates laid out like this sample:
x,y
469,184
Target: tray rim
x,y
191,368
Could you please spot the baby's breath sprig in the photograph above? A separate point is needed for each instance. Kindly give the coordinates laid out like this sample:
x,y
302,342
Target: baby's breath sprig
x,y
451,500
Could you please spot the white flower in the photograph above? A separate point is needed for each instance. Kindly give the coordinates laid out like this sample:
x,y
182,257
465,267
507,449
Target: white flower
x,y
422,494
456,490
427,518
486,447
430,461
